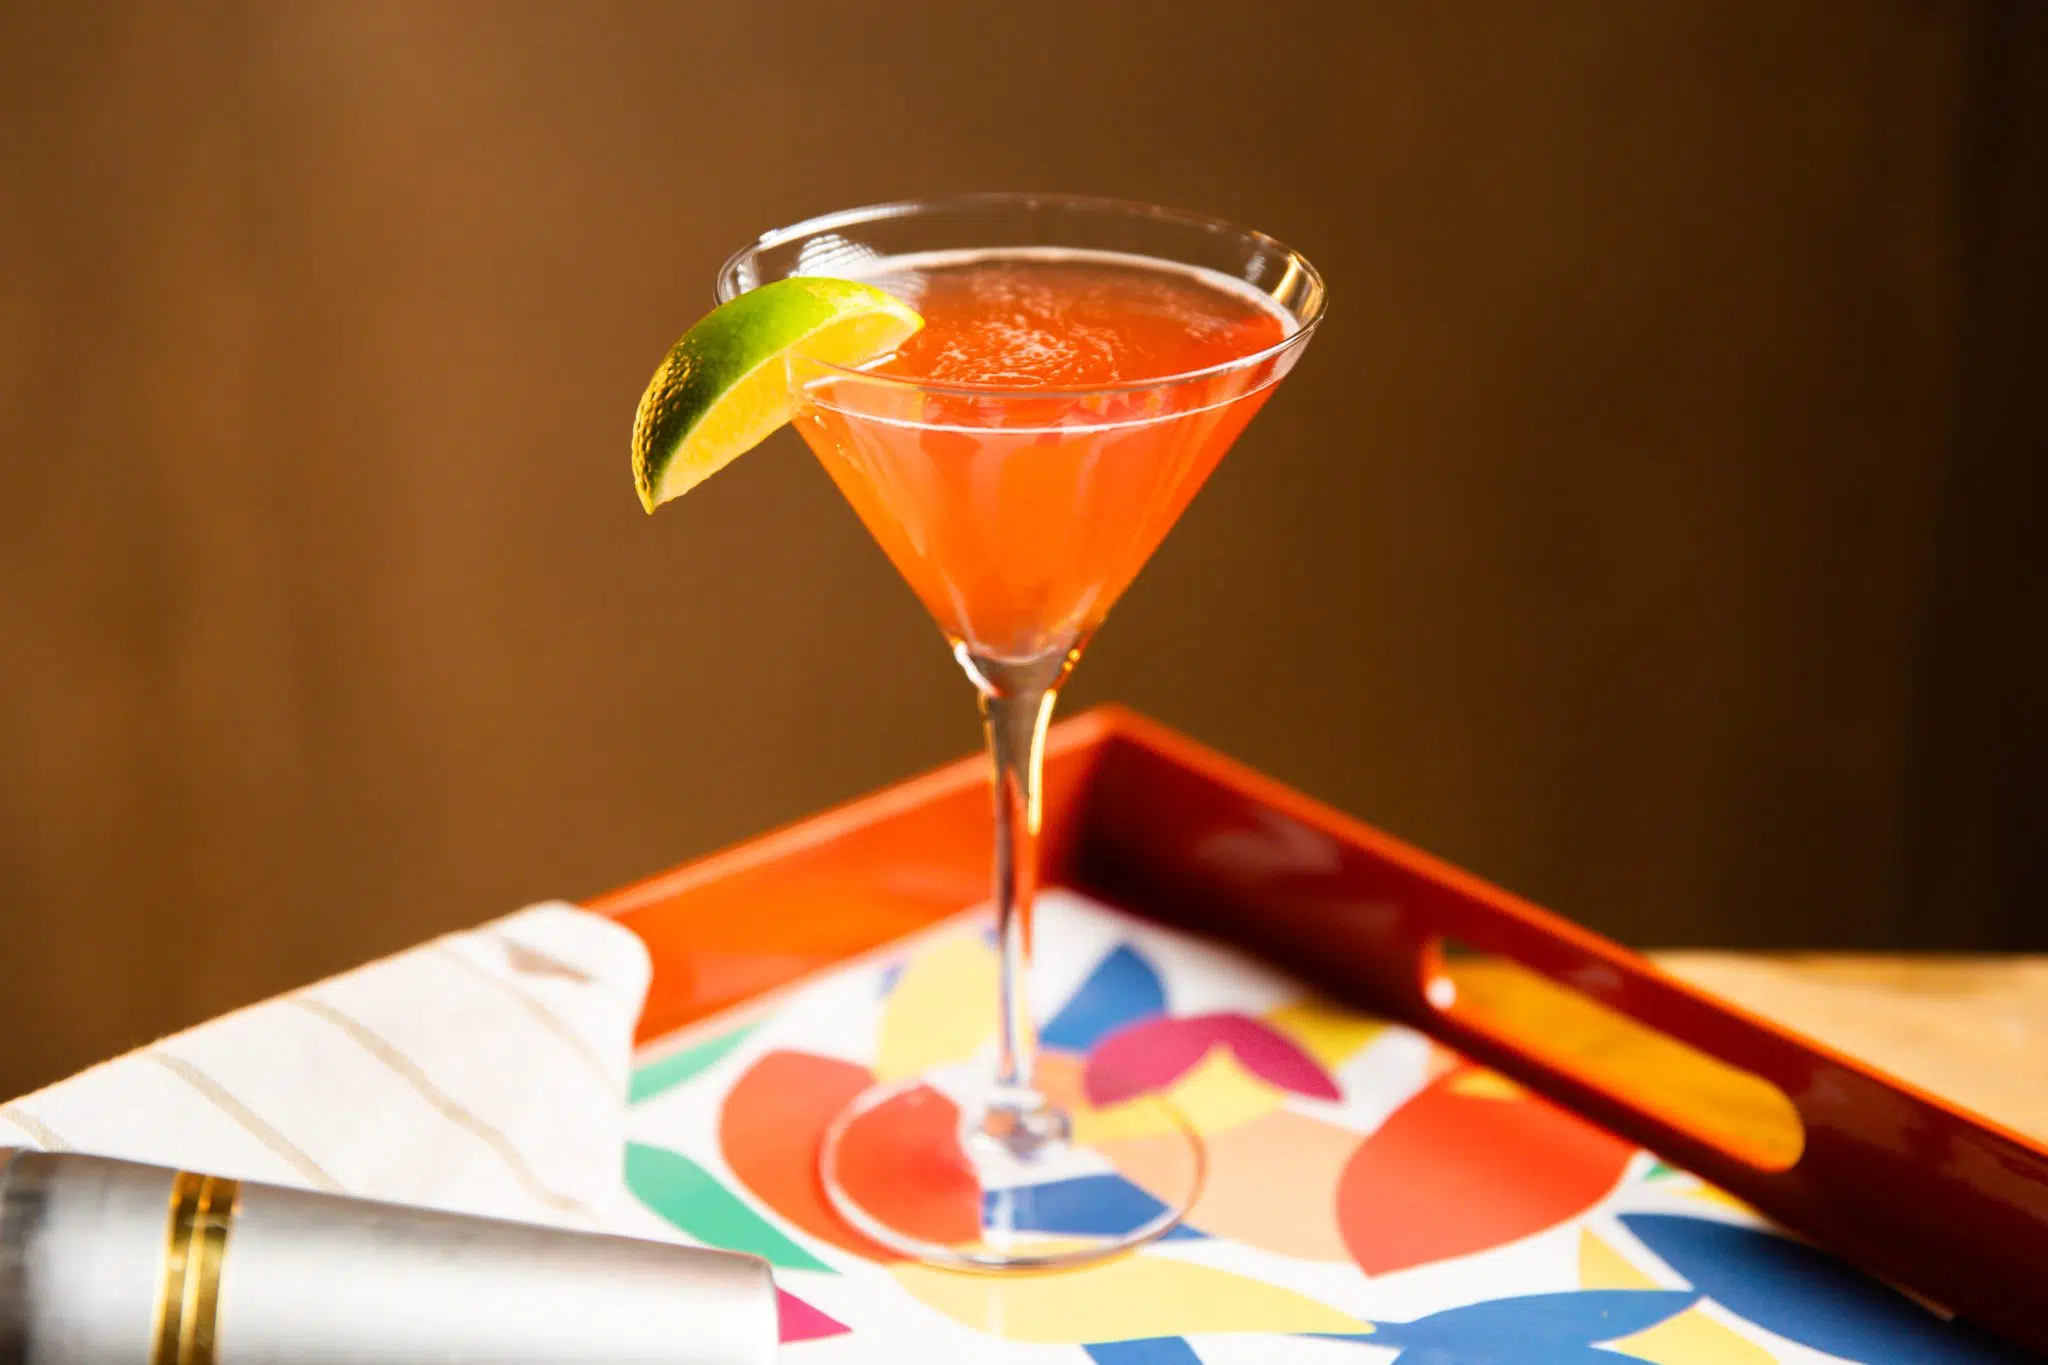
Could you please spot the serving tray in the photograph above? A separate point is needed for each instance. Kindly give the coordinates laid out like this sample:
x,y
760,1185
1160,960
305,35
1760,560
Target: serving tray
x,y
1499,1051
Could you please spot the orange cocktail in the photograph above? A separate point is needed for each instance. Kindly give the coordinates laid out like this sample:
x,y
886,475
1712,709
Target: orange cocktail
x,y
1019,519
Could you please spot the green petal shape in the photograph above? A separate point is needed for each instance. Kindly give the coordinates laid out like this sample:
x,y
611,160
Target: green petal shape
x,y
672,1071
691,1198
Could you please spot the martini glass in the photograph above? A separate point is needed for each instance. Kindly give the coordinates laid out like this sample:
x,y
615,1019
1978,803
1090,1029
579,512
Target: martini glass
x,y
1085,365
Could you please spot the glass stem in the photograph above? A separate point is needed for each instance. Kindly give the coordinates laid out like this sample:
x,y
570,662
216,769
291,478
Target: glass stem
x,y
1017,698
1016,726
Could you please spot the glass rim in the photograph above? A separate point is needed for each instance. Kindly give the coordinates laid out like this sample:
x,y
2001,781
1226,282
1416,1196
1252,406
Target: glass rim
x,y
904,208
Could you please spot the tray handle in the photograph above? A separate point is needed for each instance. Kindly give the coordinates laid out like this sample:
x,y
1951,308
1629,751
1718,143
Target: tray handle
x,y
1937,1201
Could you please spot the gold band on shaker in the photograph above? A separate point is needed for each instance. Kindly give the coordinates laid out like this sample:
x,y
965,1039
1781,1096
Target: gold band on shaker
x,y
202,1211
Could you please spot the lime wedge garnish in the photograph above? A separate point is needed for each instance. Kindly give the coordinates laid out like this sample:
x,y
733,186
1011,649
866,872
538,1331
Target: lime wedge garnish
x,y
725,386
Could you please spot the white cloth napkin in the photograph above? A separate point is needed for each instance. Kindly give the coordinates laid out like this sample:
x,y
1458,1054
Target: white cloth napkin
x,y
484,1072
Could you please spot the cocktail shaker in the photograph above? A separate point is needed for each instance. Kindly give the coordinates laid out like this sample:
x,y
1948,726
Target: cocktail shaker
x,y
107,1262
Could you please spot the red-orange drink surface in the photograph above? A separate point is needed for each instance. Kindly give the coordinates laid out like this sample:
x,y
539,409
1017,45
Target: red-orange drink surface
x,y
1059,412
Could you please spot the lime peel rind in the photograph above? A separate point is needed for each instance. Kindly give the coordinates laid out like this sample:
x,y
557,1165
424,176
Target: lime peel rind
x,y
724,387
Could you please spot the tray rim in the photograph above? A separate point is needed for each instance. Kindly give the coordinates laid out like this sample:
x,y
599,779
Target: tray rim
x,y
1111,721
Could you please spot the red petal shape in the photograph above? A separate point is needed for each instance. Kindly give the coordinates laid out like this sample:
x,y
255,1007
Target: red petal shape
x,y
1154,1053
1449,1174
801,1322
902,1163
769,1130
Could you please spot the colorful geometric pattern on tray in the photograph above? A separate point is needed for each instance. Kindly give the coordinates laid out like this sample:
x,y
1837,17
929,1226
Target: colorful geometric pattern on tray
x,y
1370,1195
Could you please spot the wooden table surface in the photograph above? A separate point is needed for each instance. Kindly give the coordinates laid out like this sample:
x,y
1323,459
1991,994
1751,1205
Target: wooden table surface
x,y
1973,1030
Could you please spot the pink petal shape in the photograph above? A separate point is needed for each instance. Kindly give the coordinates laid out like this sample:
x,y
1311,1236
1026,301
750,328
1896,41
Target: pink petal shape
x,y
1155,1053
801,1322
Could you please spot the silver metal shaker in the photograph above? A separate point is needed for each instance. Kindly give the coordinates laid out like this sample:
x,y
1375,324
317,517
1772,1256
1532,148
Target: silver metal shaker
x,y
107,1262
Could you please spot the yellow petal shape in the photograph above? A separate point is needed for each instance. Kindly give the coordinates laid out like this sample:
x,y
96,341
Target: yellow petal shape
x,y
1216,1093
1602,1267
941,1010
1139,1118
1330,1034
1693,1338
1139,1296
1060,1077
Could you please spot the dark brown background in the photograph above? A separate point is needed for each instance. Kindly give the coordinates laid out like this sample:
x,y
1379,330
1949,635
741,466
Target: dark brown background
x,y
1651,527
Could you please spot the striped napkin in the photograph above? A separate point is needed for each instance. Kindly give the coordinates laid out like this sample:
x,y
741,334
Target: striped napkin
x,y
484,1072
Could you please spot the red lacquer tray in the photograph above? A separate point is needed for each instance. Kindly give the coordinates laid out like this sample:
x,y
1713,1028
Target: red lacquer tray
x,y
1939,1201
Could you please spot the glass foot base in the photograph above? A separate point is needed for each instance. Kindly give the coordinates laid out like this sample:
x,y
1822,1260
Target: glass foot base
x,y
955,1175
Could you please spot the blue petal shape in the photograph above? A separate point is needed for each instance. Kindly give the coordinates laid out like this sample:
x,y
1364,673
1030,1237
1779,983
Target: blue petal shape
x,y
1145,1351
890,975
1087,1205
1121,990
1807,1296
1497,1353
1533,1323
